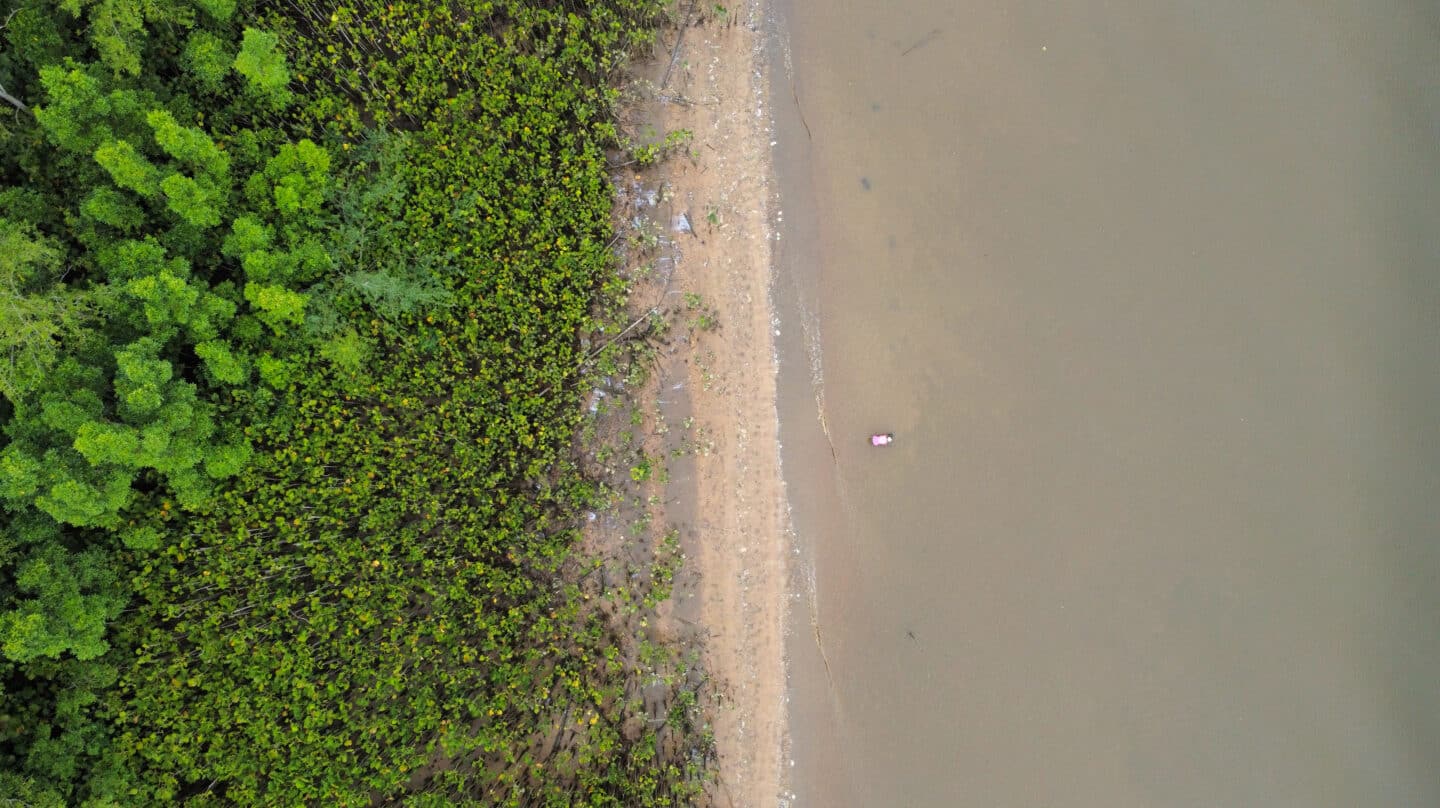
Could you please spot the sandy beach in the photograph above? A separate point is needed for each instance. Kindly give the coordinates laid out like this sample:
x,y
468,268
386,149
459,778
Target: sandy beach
x,y
712,199
741,533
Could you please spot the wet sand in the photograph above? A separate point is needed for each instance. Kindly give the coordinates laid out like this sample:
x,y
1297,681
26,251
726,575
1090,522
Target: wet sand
x,y
1148,292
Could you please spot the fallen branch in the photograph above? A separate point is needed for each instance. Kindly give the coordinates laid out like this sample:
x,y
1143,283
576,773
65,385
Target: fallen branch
x,y
925,40
675,51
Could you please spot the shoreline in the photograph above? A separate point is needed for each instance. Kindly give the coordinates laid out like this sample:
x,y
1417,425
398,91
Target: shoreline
x,y
715,86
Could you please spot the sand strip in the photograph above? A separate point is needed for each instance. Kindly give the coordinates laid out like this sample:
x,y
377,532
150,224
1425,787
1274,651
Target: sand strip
x,y
715,86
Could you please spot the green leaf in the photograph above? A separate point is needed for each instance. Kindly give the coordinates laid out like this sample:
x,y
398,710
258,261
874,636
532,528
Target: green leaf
x,y
128,168
263,66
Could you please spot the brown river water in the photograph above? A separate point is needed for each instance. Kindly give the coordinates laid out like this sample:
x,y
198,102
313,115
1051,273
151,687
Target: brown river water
x,y
1149,293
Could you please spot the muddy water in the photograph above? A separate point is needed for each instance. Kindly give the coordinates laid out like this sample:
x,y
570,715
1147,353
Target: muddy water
x,y
1150,294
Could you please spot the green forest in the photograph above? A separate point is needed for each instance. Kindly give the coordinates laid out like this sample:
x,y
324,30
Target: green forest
x,y
298,301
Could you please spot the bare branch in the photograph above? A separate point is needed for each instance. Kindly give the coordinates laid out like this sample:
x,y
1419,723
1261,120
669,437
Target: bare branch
x,y
15,102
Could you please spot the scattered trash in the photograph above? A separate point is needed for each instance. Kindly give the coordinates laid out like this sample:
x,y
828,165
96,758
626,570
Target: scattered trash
x,y
681,224
882,439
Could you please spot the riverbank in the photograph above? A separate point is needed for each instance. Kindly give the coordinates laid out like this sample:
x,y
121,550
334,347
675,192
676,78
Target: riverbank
x,y
317,488
713,85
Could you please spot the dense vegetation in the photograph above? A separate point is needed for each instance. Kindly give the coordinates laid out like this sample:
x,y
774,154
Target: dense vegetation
x,y
296,302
